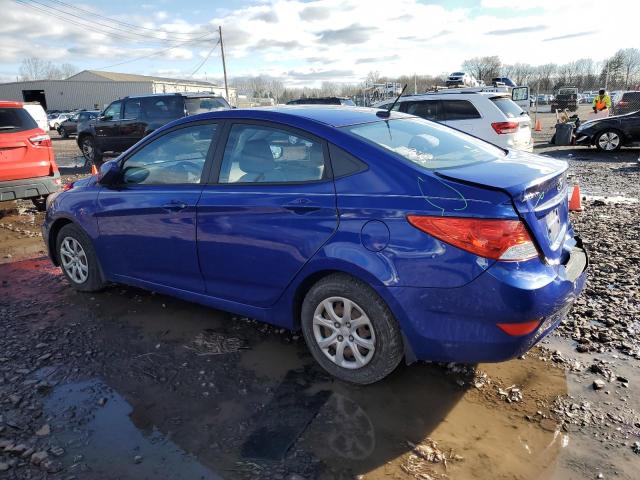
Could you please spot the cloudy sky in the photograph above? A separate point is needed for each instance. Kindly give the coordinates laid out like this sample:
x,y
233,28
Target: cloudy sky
x,y
306,42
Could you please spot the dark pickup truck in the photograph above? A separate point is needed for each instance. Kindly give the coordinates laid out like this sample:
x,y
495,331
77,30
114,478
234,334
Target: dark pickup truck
x,y
565,98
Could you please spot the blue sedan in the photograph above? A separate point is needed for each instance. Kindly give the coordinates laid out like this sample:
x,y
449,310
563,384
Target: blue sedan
x,y
381,237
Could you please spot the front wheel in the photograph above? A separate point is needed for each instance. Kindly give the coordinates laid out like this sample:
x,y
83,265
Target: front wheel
x,y
90,150
63,132
350,331
78,260
609,141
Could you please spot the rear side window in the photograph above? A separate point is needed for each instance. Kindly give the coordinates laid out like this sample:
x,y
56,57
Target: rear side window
x,y
163,108
203,105
459,110
507,106
16,120
343,163
632,99
426,109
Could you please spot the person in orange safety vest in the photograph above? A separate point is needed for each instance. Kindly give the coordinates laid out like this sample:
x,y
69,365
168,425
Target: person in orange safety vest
x,y
602,101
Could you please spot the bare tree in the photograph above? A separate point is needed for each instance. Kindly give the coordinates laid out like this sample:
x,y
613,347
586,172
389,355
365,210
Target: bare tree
x,y
483,68
67,70
35,68
630,65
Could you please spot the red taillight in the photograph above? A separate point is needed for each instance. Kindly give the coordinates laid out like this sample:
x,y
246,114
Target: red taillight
x,y
506,240
505,127
519,329
41,140
623,103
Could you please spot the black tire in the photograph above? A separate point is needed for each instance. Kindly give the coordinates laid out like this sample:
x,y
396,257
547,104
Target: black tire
x,y
40,203
63,132
609,131
94,280
90,150
388,346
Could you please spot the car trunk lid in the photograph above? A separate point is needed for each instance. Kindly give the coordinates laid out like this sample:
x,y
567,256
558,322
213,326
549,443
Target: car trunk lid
x,y
537,187
19,159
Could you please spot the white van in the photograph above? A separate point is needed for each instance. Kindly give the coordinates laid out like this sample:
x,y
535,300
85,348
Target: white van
x,y
38,114
491,116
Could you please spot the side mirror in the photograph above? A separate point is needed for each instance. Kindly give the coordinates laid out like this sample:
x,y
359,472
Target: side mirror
x,y
105,118
110,172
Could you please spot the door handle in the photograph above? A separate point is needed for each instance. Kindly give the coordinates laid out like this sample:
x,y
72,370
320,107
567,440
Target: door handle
x,y
302,206
174,206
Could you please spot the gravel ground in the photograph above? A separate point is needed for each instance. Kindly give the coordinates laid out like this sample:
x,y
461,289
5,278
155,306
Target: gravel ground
x,y
130,384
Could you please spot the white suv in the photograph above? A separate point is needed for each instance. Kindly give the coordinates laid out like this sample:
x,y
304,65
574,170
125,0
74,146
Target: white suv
x,y
491,116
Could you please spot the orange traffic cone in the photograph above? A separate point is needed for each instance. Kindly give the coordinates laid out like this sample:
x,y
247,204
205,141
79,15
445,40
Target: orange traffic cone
x,y
575,204
94,169
538,126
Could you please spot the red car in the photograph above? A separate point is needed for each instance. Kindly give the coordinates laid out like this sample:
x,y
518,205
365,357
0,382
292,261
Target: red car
x,y
27,163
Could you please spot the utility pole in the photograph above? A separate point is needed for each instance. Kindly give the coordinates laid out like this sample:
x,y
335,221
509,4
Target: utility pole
x,y
224,65
415,84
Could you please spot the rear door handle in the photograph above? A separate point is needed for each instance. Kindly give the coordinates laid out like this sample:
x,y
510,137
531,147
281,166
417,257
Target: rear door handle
x,y
302,206
174,206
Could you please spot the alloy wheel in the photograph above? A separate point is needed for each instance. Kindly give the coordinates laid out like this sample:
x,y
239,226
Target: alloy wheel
x,y
74,260
609,141
344,332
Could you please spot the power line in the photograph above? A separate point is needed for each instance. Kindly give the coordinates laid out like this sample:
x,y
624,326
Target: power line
x,y
205,59
113,20
60,15
153,54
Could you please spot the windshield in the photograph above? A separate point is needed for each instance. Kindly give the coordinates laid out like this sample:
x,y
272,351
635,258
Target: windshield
x,y
205,104
425,143
347,101
507,106
457,73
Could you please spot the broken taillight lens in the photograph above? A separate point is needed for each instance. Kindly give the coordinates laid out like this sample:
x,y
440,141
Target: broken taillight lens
x,y
506,240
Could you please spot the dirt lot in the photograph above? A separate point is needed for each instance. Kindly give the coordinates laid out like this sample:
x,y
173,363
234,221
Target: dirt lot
x,y
131,384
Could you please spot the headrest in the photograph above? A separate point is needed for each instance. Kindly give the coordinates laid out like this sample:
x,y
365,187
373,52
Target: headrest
x,y
256,157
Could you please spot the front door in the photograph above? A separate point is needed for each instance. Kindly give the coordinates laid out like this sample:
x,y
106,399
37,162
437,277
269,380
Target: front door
x,y
107,128
271,210
148,222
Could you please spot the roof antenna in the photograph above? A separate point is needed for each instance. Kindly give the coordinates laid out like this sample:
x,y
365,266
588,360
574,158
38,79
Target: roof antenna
x,y
387,113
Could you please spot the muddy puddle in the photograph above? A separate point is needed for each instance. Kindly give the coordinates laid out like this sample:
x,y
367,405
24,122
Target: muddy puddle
x,y
196,393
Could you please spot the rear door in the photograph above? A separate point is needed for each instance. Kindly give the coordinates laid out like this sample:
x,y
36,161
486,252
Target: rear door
x,y
107,128
273,206
462,115
19,157
520,96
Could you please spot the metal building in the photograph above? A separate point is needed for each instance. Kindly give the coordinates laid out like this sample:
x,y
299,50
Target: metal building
x,y
94,89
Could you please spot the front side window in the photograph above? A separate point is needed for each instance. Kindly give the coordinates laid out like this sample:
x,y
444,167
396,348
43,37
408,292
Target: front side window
x,y
177,157
113,111
427,144
132,109
257,154
426,109
459,110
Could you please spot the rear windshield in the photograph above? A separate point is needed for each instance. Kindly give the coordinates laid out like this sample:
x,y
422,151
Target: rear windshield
x,y
16,120
203,105
507,106
427,144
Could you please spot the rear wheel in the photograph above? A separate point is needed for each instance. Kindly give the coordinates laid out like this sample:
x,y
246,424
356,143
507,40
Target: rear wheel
x,y
63,132
350,331
78,260
40,203
609,140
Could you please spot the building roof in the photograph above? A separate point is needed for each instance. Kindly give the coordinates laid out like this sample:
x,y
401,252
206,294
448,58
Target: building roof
x,y
132,77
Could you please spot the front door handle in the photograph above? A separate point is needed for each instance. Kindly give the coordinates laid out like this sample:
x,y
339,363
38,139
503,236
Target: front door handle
x,y
302,206
174,206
